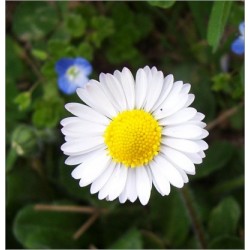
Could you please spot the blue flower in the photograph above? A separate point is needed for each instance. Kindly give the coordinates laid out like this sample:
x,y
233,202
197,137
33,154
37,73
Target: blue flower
x,y
72,74
238,45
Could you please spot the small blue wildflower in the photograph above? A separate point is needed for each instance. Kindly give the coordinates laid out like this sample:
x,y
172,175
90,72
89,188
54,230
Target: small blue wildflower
x,y
72,74
238,46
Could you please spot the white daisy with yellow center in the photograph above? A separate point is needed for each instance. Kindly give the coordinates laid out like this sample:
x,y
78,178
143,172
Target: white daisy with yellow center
x,y
132,133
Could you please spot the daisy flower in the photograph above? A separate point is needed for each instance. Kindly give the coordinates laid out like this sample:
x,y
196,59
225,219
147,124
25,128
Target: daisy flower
x,y
238,46
133,133
72,74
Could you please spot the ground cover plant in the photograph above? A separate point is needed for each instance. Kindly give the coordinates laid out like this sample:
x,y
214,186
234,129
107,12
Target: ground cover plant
x,y
199,42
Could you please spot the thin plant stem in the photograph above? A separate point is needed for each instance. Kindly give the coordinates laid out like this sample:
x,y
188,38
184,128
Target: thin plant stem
x,y
225,115
86,226
194,217
67,208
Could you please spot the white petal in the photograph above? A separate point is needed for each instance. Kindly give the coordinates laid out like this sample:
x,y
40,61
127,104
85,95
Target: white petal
x,y
190,100
109,186
179,159
77,159
119,183
69,120
154,70
173,95
140,88
82,146
169,171
92,165
197,123
149,175
115,90
202,154
177,104
103,85
181,116
154,90
128,83
195,158
160,181
203,145
183,174
182,131
147,70
182,144
86,113
132,193
186,88
129,191
83,128
143,185
94,96
198,117
204,134
167,86
94,169
103,178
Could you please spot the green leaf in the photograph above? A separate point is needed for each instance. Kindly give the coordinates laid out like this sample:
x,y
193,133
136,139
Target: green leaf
x,y
41,229
205,100
221,82
200,11
218,155
228,186
25,141
102,27
39,54
14,65
242,75
130,240
23,100
162,4
226,242
34,20
48,69
217,22
75,25
85,50
20,191
224,218
71,185
10,159
48,112
237,120
176,224
152,240
56,45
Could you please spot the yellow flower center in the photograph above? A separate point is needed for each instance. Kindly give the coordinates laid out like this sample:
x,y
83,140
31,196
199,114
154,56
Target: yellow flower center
x,y
133,138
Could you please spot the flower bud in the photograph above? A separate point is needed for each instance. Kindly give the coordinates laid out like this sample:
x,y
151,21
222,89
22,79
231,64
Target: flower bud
x,y
25,141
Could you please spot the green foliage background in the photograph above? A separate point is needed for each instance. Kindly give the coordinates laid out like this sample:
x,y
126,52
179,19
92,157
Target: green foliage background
x,y
188,39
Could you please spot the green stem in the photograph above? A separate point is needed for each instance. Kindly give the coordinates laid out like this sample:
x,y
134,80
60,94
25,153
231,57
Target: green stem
x,y
34,86
194,217
11,159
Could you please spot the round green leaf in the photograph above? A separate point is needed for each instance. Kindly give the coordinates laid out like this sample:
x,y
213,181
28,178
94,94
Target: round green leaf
x,y
42,229
23,100
162,4
226,242
218,155
130,240
34,20
75,25
224,218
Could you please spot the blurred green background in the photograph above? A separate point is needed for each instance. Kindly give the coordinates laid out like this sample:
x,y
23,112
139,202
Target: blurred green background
x,y
189,39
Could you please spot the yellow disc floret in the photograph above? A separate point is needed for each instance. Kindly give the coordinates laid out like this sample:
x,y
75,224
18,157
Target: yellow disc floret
x,y
133,138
